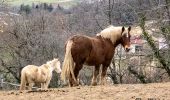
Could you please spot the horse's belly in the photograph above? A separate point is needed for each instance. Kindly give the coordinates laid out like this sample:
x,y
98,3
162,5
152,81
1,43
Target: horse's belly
x,y
42,79
93,61
39,81
89,64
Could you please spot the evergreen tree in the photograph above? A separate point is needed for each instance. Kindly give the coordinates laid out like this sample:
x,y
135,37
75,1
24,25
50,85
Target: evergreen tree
x,y
45,6
25,8
50,8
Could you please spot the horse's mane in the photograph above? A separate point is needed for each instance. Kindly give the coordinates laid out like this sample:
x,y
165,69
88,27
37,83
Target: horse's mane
x,y
48,62
111,32
45,66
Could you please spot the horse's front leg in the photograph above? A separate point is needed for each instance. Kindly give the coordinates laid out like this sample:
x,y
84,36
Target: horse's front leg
x,y
103,75
46,84
95,74
42,86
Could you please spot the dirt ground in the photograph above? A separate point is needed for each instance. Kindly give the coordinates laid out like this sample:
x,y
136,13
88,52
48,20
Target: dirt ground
x,y
154,91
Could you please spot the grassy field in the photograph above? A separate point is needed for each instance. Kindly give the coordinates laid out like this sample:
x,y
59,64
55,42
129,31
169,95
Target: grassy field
x,y
29,2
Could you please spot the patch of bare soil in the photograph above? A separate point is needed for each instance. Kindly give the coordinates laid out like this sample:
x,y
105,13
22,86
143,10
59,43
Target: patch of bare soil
x,y
154,91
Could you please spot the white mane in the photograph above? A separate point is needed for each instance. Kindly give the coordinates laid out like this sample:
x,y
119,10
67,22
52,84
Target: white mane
x,y
52,61
112,32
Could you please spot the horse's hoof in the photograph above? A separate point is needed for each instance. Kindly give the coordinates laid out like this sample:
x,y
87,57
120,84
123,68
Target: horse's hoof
x,y
94,84
102,83
45,90
75,85
20,91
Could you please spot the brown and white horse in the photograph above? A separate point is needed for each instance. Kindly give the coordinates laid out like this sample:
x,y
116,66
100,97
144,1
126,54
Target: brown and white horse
x,y
93,51
32,74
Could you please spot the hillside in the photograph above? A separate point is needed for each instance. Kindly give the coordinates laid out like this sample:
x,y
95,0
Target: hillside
x,y
154,91
65,3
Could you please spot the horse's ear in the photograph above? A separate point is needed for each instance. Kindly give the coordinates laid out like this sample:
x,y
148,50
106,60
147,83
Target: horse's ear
x,y
123,29
129,29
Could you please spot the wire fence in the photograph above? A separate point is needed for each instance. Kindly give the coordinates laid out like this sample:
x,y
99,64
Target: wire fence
x,y
10,86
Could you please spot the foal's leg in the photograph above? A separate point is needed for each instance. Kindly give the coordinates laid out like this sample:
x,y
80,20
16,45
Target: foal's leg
x,y
23,85
95,74
103,75
42,86
47,84
30,86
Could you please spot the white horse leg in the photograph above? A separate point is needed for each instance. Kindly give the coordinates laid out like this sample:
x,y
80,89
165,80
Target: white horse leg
x,y
42,86
46,84
30,86
23,85
23,81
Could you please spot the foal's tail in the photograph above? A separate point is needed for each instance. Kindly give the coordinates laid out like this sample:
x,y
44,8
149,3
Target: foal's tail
x,y
68,64
23,80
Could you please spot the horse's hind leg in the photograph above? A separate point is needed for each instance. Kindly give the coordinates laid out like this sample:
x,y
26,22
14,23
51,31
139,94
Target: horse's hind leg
x,y
23,81
23,85
95,74
71,80
77,68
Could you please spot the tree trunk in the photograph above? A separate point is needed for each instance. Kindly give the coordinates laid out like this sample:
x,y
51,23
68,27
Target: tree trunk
x,y
109,13
168,9
153,47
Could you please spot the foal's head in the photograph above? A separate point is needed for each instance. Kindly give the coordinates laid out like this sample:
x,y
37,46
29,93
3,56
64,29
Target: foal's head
x,y
125,38
55,64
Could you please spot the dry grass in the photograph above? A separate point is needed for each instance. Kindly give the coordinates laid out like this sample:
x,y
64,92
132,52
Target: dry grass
x,y
154,91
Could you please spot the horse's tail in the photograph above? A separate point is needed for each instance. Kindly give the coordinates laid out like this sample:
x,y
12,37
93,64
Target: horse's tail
x,y
68,64
23,80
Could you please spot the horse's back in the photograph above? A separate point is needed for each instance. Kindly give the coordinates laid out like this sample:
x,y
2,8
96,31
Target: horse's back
x,y
29,70
81,47
30,67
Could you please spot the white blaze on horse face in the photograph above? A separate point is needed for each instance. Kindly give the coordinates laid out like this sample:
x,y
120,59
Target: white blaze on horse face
x,y
126,42
127,35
